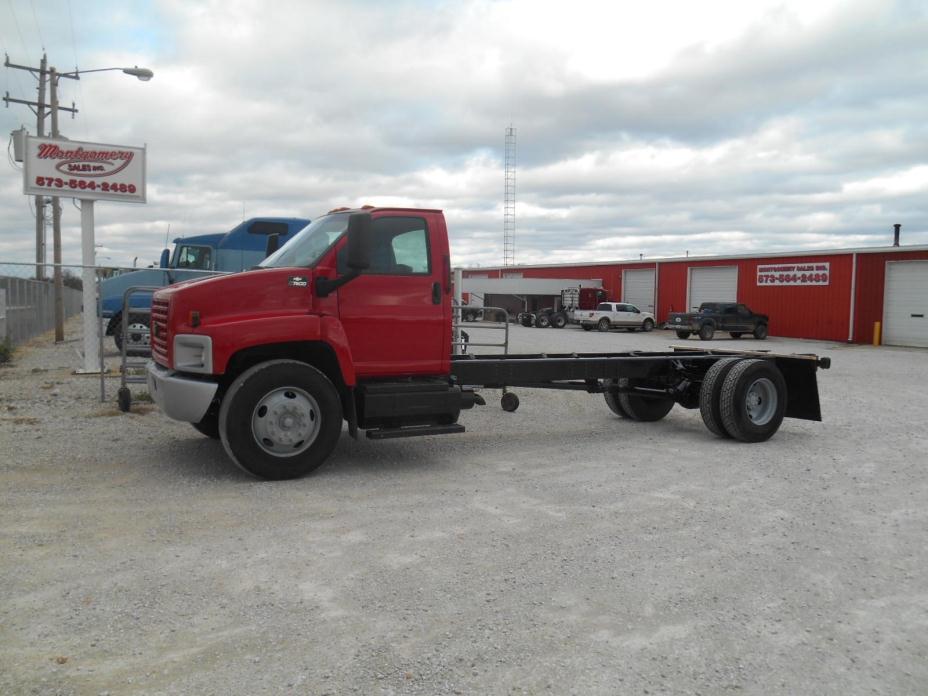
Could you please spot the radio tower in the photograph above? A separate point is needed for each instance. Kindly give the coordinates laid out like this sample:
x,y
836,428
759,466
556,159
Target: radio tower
x,y
509,203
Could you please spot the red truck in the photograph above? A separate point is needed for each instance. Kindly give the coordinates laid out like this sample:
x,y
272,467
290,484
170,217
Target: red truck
x,y
351,321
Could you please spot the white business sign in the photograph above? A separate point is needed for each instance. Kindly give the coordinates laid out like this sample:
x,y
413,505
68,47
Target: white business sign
x,y
90,171
794,273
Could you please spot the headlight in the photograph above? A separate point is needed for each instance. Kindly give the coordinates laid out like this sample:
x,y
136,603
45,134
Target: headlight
x,y
193,353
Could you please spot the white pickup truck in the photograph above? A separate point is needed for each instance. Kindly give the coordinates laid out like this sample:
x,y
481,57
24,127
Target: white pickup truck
x,y
616,315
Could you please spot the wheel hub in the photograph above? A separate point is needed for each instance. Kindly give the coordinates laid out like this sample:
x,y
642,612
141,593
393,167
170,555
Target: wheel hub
x,y
760,401
285,422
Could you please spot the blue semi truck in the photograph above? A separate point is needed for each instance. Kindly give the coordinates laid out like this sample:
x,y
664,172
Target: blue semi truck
x,y
244,246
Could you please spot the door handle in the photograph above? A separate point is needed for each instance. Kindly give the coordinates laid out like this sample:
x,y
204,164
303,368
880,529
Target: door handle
x,y
436,293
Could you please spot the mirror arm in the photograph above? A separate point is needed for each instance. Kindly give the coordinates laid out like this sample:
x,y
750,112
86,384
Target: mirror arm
x,y
326,286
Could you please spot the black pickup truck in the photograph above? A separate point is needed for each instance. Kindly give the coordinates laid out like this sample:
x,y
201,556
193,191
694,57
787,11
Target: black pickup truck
x,y
734,318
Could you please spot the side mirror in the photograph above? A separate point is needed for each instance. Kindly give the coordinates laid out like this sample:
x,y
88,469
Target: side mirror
x,y
273,244
165,258
358,256
359,242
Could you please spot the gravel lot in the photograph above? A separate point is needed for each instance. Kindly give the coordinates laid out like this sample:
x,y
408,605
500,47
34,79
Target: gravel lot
x,y
554,550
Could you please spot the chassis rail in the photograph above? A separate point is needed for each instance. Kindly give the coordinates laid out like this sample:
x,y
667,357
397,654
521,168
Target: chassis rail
x,y
676,374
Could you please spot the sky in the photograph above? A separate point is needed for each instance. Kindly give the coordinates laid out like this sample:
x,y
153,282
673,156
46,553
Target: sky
x,y
643,128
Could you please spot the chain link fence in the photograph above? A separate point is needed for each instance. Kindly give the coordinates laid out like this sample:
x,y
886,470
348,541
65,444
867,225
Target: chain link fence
x,y
27,305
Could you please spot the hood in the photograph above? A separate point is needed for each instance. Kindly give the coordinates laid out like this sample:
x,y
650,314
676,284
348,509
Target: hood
x,y
241,295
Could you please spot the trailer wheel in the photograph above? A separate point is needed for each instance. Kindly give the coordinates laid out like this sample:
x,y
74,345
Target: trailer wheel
x,y
612,397
209,425
280,419
648,325
683,334
753,400
527,320
707,331
760,332
509,402
735,334
559,321
710,392
542,321
587,327
642,408
603,325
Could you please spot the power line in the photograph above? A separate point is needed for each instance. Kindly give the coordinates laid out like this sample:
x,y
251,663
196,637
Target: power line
x,y
18,30
37,27
80,87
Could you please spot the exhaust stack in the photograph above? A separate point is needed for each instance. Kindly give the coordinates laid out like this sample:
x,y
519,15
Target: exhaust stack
x,y
896,227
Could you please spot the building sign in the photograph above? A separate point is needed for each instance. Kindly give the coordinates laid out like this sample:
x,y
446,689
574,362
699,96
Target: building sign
x,y
794,274
90,171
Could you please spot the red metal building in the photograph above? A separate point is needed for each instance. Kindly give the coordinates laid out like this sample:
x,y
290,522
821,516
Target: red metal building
x,y
835,295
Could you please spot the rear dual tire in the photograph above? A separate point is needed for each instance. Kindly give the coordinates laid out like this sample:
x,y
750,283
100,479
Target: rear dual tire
x,y
743,399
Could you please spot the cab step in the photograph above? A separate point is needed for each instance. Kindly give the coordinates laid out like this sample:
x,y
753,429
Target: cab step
x,y
414,431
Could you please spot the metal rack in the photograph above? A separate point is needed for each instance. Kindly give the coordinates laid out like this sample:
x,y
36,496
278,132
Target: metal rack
x,y
140,339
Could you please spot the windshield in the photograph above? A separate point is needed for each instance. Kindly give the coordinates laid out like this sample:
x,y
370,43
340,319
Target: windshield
x,y
309,243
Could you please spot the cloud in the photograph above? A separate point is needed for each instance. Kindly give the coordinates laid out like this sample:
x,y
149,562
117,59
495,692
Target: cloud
x,y
709,127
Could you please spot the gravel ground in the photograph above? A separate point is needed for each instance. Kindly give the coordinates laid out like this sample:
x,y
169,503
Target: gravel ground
x,y
554,550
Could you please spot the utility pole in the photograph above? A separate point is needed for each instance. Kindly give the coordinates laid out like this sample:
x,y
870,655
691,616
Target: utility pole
x,y
40,200
39,108
56,220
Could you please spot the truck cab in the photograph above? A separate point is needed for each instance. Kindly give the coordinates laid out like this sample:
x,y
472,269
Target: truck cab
x,y
612,315
242,247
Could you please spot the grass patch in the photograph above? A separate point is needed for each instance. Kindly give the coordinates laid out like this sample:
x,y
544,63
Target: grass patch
x,y
22,420
6,351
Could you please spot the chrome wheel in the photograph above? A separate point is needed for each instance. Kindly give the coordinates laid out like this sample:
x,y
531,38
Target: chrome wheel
x,y
285,422
138,334
760,401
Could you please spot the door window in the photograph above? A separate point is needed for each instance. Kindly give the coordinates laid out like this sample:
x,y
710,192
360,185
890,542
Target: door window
x,y
400,247
194,257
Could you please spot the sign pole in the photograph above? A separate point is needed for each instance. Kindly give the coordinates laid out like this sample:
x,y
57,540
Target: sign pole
x,y
91,321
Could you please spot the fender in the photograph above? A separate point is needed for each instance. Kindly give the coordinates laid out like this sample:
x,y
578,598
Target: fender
x,y
231,337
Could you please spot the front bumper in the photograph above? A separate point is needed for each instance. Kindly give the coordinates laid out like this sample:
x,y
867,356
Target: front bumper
x,y
682,326
181,398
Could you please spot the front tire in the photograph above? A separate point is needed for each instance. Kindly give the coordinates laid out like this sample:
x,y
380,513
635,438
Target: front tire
x,y
706,332
760,332
603,325
280,419
209,424
753,400
647,325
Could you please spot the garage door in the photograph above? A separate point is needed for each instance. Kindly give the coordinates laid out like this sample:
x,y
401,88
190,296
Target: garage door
x,y
905,304
638,288
713,284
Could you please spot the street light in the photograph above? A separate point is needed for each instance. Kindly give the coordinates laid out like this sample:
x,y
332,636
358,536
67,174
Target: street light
x,y
144,74
91,349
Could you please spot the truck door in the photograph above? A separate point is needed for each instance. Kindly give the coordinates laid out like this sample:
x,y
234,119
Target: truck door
x,y
743,318
394,313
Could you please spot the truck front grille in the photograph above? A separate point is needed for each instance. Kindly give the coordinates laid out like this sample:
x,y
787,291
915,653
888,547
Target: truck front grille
x,y
159,332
